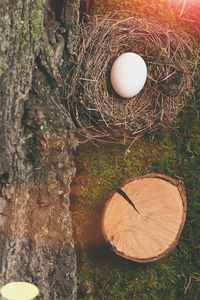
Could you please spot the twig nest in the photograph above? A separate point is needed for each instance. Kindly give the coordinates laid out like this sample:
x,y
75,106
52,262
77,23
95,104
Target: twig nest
x,y
97,110
144,217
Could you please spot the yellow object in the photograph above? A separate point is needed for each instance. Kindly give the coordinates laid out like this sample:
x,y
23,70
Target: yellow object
x,y
19,291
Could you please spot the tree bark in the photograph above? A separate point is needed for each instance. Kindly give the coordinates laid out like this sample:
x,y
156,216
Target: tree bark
x,y
36,146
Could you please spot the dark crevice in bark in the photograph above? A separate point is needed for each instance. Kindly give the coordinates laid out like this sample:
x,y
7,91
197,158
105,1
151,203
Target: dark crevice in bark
x,y
57,8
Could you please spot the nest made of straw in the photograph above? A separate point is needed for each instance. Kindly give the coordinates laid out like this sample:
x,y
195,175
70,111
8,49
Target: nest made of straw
x,y
97,111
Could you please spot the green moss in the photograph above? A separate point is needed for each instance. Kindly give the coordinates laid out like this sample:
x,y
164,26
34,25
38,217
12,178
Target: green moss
x,y
40,4
31,29
165,12
104,275
174,152
37,26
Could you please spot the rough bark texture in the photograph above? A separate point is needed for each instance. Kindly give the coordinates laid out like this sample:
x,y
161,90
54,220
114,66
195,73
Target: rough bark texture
x,y
36,146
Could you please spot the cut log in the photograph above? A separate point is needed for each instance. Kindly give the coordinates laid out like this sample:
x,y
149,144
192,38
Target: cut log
x,y
144,217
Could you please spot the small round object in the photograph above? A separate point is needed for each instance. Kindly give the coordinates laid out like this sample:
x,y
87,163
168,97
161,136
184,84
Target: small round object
x,y
128,74
19,291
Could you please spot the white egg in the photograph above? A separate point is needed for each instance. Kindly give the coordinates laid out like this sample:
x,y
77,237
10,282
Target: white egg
x,y
128,74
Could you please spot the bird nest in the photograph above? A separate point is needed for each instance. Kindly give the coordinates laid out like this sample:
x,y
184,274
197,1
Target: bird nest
x,y
97,111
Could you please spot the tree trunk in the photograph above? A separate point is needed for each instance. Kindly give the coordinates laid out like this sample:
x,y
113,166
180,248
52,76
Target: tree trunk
x,y
36,146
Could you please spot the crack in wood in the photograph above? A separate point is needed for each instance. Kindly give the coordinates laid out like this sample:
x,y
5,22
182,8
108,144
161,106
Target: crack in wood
x,y
124,195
